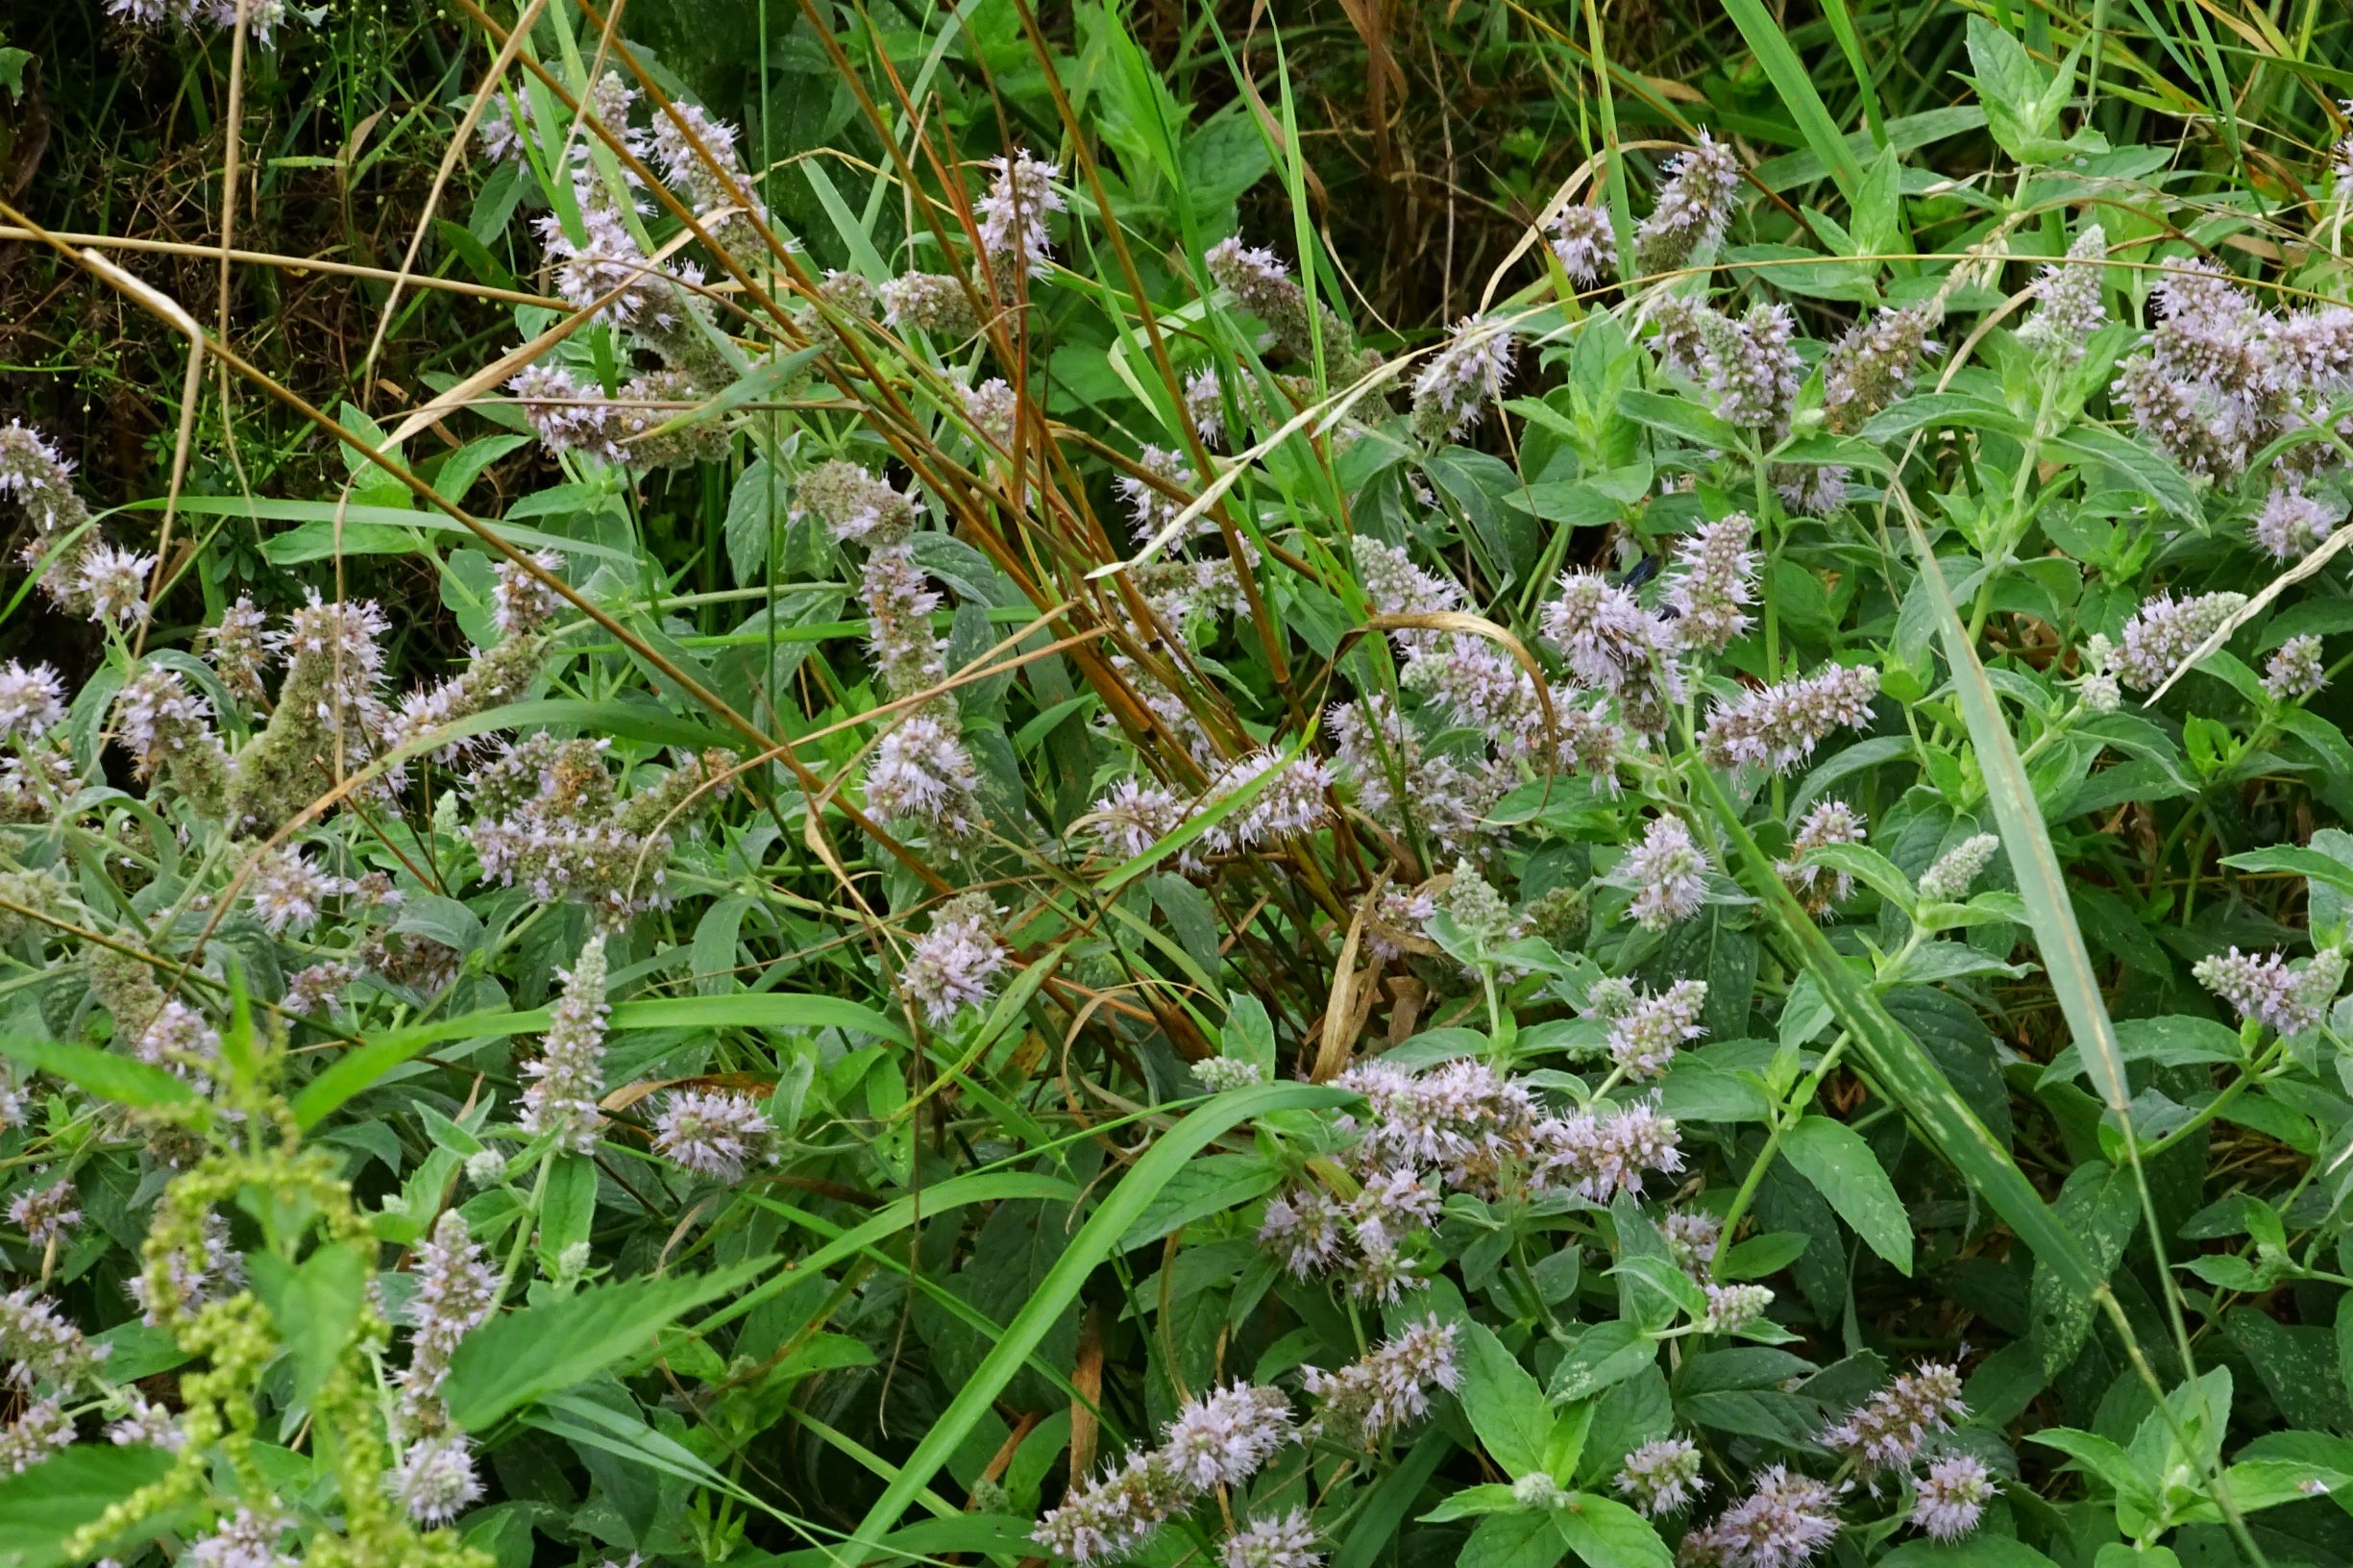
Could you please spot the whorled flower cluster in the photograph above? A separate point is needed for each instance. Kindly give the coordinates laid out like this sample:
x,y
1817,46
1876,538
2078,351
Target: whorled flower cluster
x,y
567,1078
1778,726
1218,1439
2269,991
716,1133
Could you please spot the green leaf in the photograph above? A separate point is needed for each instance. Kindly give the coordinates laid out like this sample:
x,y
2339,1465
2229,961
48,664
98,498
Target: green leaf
x,y
1835,1159
1679,418
1093,1243
1212,1185
315,1307
1603,1354
1506,1406
1609,1534
110,1077
512,1361
2309,864
752,507
2139,466
1978,1550
1511,1540
39,1507
1486,1497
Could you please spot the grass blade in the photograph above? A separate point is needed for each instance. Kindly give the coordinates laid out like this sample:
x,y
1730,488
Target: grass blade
x,y
1088,1249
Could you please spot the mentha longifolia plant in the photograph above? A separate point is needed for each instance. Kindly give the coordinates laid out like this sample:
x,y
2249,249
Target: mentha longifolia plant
x,y
1503,805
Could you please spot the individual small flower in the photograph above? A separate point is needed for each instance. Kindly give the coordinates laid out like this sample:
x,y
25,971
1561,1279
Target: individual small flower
x,y
112,582
2098,687
1390,1205
1220,1074
243,1539
1828,822
1151,509
286,890
1305,1225
993,407
2264,990
1715,582
434,1478
1205,406
1381,1273
1752,367
2292,524
951,965
32,701
1668,872
1731,1307
521,602
146,1422
46,1214
1113,1516
1477,910
1646,1031
1286,798
41,1431
1459,380
854,504
1605,635
924,773
1811,489
2296,670
1013,211
1597,1154
1872,365
1662,1477
715,1134
38,1341
1538,1490
1952,1496
237,648
1585,243
1135,815
1263,287
1778,727
1785,1522
1692,211
1886,1430
1368,1399
1948,880
1221,1438
1693,1236
2067,308
568,1078
314,988
1284,1541
179,1039
931,301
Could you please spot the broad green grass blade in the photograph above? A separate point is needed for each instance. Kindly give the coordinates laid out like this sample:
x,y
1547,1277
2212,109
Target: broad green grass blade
x,y
1088,1249
1791,79
2048,909
2051,916
1907,1071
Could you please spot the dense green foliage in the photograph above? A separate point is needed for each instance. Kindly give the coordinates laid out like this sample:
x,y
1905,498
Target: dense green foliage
x,y
1359,785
